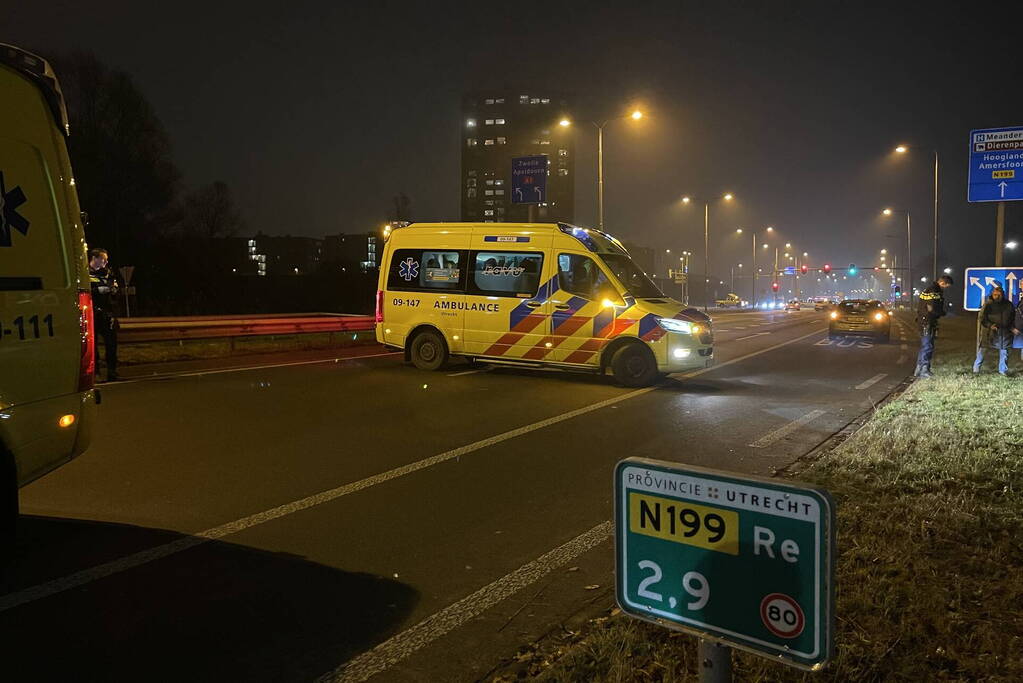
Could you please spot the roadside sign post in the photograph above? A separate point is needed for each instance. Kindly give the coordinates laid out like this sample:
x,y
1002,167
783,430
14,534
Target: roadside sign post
x,y
529,182
738,561
996,173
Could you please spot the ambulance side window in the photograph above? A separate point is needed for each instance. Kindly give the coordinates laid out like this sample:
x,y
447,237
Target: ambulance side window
x,y
580,275
506,273
427,270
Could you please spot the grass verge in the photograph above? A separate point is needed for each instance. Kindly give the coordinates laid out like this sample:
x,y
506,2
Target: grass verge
x,y
930,555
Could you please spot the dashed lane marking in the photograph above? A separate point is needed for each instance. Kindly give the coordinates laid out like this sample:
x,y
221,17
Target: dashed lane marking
x,y
750,336
873,380
394,650
124,563
784,431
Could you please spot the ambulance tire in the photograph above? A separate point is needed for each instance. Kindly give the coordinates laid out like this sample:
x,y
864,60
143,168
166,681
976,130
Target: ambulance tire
x,y
634,366
8,504
428,351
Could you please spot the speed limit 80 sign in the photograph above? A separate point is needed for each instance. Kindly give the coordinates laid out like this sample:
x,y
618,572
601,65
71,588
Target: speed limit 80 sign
x,y
746,561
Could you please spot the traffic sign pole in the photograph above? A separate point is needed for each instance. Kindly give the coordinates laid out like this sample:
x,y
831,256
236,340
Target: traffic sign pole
x,y
715,662
999,233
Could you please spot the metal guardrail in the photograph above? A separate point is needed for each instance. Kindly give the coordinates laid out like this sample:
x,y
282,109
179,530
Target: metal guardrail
x,y
218,326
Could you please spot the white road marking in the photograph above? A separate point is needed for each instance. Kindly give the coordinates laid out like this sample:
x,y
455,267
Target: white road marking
x,y
873,380
782,432
467,372
750,336
392,651
121,564
244,368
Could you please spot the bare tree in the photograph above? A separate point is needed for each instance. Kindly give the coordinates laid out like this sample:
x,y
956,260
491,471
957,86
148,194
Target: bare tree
x,y
209,212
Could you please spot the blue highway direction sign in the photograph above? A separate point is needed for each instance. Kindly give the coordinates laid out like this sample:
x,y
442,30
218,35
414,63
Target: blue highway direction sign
x,y
742,560
980,281
996,165
529,179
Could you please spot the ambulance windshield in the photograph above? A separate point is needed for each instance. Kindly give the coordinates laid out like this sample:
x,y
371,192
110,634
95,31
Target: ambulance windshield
x,y
629,274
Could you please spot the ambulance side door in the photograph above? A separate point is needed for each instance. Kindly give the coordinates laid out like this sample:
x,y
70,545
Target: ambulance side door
x,y
581,323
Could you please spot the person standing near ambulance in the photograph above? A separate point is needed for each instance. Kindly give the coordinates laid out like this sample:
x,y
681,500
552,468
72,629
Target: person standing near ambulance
x,y
104,288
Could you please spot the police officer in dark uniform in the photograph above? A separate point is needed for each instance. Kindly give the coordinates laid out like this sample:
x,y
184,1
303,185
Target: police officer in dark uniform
x,y
104,288
930,308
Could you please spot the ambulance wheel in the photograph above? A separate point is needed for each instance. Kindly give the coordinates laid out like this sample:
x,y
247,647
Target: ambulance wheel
x,y
634,366
429,352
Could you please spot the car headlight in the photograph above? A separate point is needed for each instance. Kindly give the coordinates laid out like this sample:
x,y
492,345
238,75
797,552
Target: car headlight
x,y
879,316
682,326
834,315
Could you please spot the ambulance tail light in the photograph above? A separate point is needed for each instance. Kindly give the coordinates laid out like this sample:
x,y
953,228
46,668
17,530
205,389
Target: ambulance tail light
x,y
87,328
380,305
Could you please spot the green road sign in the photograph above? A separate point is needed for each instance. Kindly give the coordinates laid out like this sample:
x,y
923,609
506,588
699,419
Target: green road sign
x,y
743,560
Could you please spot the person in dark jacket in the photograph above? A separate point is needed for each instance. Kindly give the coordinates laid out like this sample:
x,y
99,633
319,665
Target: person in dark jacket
x,y
930,308
104,287
995,323
1017,328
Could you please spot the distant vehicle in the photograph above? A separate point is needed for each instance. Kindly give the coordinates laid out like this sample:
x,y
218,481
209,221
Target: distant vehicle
x,y
822,304
47,401
730,301
532,295
860,316
792,305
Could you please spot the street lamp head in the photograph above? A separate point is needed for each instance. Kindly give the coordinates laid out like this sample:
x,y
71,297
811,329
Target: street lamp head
x,y
770,229
947,271
728,196
637,115
564,123
738,231
1011,245
788,245
686,200
806,254
884,251
667,251
901,149
765,246
887,212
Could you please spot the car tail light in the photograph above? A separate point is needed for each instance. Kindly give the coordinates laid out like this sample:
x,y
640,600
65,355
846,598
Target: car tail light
x,y
380,305
87,365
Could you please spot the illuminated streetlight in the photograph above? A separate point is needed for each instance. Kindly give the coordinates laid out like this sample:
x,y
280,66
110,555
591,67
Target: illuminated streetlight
x,y
901,149
564,123
884,251
887,212
738,231
686,199
637,115
948,271
1011,245
770,229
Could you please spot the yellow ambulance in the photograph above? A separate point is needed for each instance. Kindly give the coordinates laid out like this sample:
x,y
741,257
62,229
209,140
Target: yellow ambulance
x,y
47,367
534,295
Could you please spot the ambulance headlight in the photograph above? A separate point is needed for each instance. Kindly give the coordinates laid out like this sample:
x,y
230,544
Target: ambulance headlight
x,y
673,325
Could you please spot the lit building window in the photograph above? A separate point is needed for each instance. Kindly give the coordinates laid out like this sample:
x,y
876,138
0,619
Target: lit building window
x,y
562,172
499,122
490,182
502,141
489,193
523,99
488,212
490,122
545,142
470,142
499,100
471,182
545,100
534,100
499,192
470,193
472,174
498,182
488,202
500,212
488,142
562,152
470,123
490,101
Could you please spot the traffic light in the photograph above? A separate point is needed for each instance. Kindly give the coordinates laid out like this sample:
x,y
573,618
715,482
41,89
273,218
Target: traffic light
x,y
803,269
774,286
827,267
876,269
852,269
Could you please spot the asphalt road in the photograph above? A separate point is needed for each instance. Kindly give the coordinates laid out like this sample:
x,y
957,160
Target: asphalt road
x,y
355,518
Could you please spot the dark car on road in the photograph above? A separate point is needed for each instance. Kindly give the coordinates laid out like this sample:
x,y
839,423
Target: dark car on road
x,y
860,316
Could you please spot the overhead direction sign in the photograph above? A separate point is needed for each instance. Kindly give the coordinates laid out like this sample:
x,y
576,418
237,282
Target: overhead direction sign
x,y
529,179
996,165
742,560
978,283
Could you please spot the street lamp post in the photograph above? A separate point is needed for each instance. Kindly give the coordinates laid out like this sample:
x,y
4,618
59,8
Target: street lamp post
x,y
706,243
909,249
635,116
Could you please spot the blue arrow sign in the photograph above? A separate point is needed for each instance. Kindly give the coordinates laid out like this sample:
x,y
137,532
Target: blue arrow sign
x,y
529,179
980,281
996,165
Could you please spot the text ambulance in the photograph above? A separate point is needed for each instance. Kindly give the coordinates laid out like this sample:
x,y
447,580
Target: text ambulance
x,y
532,294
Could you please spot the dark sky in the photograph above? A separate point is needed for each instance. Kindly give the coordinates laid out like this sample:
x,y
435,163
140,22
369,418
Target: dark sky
x,y
317,113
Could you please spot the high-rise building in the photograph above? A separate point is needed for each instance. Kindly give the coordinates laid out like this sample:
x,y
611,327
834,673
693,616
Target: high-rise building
x,y
497,126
